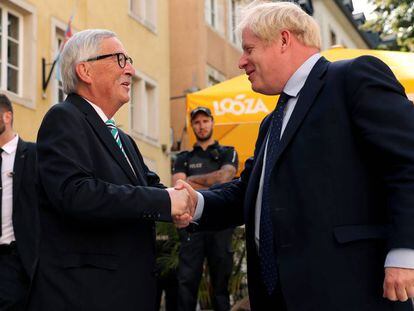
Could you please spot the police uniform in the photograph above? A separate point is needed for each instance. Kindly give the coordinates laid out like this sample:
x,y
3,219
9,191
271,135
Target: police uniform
x,y
216,246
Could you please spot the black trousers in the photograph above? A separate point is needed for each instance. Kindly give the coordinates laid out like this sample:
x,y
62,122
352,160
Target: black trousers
x,y
14,282
195,247
168,284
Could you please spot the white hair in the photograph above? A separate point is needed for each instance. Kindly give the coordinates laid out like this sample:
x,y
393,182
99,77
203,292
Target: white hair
x,y
266,19
80,47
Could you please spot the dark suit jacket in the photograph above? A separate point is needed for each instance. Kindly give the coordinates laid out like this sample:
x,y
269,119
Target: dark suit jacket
x,y
97,218
25,209
342,190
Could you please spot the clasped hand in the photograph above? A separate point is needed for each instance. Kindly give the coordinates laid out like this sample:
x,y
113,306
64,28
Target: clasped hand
x,y
183,203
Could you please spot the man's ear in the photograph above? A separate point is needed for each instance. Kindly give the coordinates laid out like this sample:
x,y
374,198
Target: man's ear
x,y
285,38
7,117
83,72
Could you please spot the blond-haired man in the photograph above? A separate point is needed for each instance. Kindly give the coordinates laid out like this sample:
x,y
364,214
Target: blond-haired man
x,y
328,198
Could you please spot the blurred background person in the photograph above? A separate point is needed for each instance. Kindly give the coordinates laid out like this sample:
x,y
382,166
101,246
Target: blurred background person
x,y
19,213
208,164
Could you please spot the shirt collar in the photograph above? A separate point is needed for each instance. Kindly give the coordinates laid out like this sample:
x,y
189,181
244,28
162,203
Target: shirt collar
x,y
197,146
11,146
298,79
98,110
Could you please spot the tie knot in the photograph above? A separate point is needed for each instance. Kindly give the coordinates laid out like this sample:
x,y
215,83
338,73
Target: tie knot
x,y
110,123
283,98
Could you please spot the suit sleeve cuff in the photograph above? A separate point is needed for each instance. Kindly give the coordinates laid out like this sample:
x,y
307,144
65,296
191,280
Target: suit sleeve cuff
x,y
400,258
199,208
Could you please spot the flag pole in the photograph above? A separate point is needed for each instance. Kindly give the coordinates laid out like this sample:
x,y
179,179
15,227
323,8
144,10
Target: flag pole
x,y
68,34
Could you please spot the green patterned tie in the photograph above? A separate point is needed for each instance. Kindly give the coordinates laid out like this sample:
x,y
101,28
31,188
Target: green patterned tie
x,y
114,131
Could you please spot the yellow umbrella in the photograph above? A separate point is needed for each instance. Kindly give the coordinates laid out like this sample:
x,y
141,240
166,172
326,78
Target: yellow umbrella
x,y
238,110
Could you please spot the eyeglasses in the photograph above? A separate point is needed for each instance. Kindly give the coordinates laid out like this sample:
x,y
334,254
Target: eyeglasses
x,y
121,57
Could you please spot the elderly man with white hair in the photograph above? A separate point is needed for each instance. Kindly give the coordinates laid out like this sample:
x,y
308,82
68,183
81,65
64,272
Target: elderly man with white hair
x,y
98,200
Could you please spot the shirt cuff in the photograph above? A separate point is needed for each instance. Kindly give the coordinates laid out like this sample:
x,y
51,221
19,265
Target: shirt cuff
x,y
199,208
400,258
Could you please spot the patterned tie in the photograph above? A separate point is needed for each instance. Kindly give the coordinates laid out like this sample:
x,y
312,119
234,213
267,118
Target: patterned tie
x,y
114,131
267,251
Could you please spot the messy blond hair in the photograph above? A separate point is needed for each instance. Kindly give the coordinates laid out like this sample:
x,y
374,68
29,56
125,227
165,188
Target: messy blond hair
x,y
266,19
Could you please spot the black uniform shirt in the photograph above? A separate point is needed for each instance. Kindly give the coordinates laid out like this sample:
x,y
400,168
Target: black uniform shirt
x,y
199,161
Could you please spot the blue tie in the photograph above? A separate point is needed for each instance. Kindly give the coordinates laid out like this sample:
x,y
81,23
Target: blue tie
x,y
267,251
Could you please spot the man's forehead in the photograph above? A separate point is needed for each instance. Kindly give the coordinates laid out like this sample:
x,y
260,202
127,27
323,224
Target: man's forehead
x,y
112,44
249,37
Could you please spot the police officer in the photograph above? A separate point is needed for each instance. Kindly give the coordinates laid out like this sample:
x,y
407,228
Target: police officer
x,y
206,165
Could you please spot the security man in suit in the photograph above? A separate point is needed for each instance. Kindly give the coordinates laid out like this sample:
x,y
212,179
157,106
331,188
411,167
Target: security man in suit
x,y
328,198
19,229
206,165
98,199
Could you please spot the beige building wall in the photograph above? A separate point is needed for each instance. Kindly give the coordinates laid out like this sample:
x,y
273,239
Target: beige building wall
x,y
332,20
145,35
196,49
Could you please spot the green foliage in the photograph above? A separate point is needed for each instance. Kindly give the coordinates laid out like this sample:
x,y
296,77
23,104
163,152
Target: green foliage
x,y
394,17
168,244
238,280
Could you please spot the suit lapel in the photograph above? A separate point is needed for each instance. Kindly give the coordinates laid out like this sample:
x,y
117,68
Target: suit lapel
x,y
103,133
307,96
132,156
19,162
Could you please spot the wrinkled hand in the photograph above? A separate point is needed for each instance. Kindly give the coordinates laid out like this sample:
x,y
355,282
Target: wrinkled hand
x,y
398,284
182,221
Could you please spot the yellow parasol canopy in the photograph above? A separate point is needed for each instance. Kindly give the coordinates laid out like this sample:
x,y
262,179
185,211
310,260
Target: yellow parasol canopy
x,y
238,110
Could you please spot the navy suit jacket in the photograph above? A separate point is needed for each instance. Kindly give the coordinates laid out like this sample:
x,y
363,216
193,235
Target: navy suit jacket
x,y
97,217
342,190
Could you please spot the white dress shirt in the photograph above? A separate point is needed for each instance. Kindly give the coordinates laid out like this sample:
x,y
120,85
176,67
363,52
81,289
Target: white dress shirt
x,y
292,88
8,155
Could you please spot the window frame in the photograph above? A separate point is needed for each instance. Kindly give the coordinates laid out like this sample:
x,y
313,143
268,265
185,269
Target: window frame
x,y
60,26
149,22
3,57
145,134
215,75
231,16
29,77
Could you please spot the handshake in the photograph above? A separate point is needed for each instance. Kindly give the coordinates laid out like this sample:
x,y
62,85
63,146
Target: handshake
x,y
183,203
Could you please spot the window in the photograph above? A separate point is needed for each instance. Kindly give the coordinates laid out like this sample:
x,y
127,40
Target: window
x,y
214,76
332,36
18,58
144,108
59,38
145,12
213,13
234,7
10,50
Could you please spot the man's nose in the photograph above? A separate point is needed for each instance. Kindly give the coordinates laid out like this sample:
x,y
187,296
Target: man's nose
x,y
129,69
242,62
